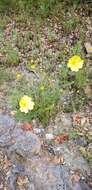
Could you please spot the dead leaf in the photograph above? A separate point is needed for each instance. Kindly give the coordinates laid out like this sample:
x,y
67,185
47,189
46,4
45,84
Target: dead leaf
x,y
5,188
62,160
1,55
61,138
77,119
26,126
75,178
7,163
58,160
21,180
51,177
83,121
90,183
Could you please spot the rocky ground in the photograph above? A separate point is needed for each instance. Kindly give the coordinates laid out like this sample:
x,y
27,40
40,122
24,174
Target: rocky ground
x,y
33,157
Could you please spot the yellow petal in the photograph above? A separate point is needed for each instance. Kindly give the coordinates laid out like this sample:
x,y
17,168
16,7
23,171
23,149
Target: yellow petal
x,y
42,88
25,110
31,105
26,104
75,63
18,75
33,66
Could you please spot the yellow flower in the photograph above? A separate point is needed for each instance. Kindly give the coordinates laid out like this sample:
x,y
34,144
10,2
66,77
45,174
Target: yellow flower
x,y
75,63
18,75
90,48
26,104
41,87
61,90
33,66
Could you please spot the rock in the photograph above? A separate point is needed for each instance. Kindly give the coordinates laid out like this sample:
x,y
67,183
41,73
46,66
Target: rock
x,y
21,180
26,144
84,186
63,122
11,180
15,170
38,131
47,176
49,136
73,159
7,125
81,141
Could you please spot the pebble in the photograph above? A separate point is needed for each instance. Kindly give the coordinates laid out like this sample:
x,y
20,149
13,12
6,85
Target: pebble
x,y
37,130
49,136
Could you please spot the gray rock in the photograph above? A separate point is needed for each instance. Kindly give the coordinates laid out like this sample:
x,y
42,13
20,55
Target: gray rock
x,y
73,158
26,144
7,125
84,186
81,141
47,176
31,187
42,173
11,181
63,121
